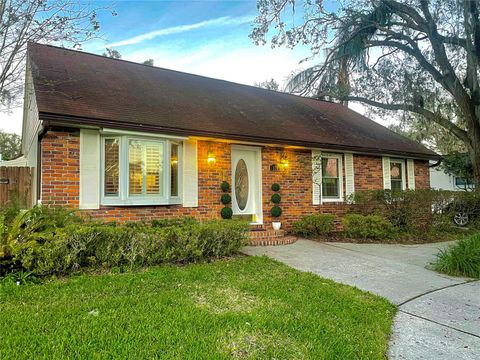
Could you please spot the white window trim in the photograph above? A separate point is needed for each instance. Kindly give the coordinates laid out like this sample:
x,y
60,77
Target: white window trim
x,y
404,178
123,199
340,179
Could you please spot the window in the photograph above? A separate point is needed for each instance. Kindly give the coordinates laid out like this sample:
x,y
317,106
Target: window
x,y
332,177
145,168
397,175
174,170
135,171
463,182
112,161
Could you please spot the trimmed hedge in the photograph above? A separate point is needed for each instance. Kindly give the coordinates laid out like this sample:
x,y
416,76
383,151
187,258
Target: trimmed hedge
x,y
226,199
47,247
226,213
276,211
313,226
368,227
225,186
416,211
276,198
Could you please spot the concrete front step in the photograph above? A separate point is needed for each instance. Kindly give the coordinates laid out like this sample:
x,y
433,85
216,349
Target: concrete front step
x,y
268,237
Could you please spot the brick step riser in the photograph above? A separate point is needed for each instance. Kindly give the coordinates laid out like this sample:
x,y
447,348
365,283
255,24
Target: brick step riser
x,y
270,237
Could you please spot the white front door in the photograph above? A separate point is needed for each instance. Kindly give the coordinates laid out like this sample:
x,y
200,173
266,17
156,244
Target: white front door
x,y
246,183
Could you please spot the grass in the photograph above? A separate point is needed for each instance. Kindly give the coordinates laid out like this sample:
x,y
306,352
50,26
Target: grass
x,y
241,308
461,259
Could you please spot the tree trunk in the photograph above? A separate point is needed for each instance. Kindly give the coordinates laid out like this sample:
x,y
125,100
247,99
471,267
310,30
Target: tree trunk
x,y
474,152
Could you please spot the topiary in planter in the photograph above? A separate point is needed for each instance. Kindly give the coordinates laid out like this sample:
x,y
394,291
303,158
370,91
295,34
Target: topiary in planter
x,y
276,211
226,213
226,199
276,198
275,187
225,186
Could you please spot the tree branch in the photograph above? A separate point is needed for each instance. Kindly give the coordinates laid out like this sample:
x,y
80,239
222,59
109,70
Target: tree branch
x,y
458,132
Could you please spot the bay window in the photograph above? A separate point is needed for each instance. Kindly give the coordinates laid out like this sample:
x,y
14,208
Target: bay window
x,y
140,171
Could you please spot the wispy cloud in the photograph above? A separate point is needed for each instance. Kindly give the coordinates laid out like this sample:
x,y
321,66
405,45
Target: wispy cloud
x,y
221,21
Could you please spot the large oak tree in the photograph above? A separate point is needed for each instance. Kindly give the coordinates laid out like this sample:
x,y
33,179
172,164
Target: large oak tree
x,y
416,57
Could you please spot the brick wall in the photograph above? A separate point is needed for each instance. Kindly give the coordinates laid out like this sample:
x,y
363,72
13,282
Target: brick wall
x,y
60,164
368,172
422,175
60,181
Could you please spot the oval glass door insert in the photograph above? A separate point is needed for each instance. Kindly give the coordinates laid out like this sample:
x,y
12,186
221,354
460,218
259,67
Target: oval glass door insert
x,y
241,184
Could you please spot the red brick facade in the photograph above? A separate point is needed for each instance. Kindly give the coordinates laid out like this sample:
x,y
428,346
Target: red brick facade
x,y
60,166
60,162
368,172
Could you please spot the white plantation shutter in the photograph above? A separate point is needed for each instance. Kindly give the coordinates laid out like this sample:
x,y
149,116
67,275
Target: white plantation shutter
x,y
387,184
190,174
89,169
411,174
316,177
349,175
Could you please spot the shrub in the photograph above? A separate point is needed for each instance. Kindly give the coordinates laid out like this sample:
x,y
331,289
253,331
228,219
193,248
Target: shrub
x,y
367,226
461,259
168,222
31,228
225,186
276,198
226,199
312,226
414,211
226,213
276,211
77,246
275,187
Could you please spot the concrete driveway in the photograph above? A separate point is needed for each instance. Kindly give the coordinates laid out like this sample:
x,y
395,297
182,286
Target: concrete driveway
x,y
439,315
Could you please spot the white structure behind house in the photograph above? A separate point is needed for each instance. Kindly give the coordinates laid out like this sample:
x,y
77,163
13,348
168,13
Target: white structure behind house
x,y
439,180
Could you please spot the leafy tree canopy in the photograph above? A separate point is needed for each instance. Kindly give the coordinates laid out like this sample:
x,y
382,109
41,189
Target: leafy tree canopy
x,y
268,84
420,58
10,146
112,53
459,165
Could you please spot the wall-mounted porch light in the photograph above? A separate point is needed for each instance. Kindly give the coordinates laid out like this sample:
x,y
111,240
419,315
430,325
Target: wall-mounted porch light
x,y
283,161
210,155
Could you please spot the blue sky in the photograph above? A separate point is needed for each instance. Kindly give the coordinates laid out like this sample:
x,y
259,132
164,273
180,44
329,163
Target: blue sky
x,y
208,38
203,37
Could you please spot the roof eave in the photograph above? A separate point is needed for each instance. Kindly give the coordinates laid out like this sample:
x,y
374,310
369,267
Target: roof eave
x,y
69,120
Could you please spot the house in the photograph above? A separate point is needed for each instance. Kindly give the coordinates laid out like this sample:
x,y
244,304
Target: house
x,y
125,141
440,180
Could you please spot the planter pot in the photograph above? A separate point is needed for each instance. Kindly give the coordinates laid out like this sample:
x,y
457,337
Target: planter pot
x,y
276,225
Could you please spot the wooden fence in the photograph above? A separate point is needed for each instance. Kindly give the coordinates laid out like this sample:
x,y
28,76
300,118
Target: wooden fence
x,y
16,185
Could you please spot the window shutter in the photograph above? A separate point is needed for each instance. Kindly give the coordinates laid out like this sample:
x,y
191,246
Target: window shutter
x,y
411,174
349,175
190,174
316,177
89,169
386,173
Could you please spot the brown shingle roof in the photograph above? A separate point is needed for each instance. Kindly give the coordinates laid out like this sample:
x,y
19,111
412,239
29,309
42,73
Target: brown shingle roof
x,y
84,88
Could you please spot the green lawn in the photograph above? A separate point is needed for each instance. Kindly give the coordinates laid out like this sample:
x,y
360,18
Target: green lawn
x,y
246,308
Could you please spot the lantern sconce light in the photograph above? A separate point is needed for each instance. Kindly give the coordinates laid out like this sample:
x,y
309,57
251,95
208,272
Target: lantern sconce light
x,y
210,156
283,161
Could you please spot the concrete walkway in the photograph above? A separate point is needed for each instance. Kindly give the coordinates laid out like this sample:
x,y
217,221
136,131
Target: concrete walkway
x,y
439,315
